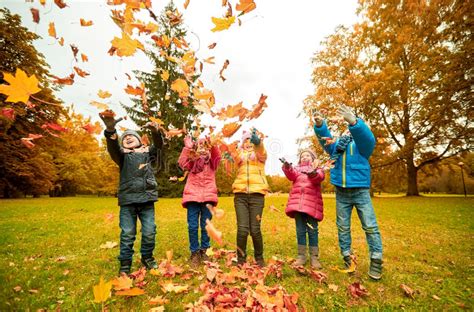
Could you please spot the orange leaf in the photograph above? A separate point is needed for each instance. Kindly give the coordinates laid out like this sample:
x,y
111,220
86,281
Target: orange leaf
x,y
104,94
245,6
186,3
213,232
122,283
126,46
224,67
52,30
35,13
60,4
80,72
61,41
130,292
85,23
135,91
84,57
165,75
69,80
181,87
258,108
229,129
222,23
20,86
212,46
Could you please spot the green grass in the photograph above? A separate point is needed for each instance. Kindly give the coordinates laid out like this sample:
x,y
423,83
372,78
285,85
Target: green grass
x,y
427,246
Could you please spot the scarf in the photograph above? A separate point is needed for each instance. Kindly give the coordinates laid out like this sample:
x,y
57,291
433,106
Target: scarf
x,y
200,163
341,146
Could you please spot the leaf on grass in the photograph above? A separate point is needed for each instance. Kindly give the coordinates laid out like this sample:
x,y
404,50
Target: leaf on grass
x,y
170,287
17,288
407,290
333,287
109,245
157,309
356,290
102,291
222,23
319,276
436,297
158,300
20,86
122,283
130,292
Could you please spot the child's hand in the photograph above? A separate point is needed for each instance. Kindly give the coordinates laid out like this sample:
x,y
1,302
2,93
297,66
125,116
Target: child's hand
x,y
285,163
188,142
108,117
316,164
347,113
153,126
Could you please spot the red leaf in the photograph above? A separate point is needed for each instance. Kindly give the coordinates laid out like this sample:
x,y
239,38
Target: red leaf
x,y
60,4
35,13
69,80
27,142
8,113
54,126
357,290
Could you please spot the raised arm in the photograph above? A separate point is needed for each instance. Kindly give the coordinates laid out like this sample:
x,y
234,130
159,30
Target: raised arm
x,y
113,147
322,132
363,138
289,172
184,160
260,151
215,157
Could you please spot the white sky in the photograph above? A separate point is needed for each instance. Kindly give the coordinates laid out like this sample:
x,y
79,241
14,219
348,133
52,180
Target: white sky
x,y
270,54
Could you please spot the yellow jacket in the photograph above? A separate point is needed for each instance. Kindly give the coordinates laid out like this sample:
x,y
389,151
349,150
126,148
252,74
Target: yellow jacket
x,y
251,172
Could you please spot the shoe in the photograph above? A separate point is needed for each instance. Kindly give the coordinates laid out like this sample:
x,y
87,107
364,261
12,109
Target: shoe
x,y
204,256
301,258
149,263
125,267
375,269
314,258
260,262
347,261
195,259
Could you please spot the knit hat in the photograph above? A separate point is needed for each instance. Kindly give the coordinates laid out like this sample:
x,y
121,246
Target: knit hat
x,y
130,132
245,136
313,155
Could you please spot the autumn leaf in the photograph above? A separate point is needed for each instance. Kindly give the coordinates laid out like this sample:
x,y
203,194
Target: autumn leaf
x,y
126,46
356,290
156,120
61,41
20,86
74,50
104,94
407,291
222,23
186,3
99,105
135,90
54,126
158,300
212,46
85,23
181,87
27,142
224,67
8,113
80,72
109,245
169,255
122,283
60,4
258,108
333,287
35,14
213,232
245,6
130,292
52,30
69,80
102,291
170,287
209,60
229,129
165,75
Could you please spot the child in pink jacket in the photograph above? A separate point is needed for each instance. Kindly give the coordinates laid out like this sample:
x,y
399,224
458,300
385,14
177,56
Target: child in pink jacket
x,y
305,204
201,160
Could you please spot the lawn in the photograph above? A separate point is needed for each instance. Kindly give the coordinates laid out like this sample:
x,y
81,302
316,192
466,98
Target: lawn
x,y
51,256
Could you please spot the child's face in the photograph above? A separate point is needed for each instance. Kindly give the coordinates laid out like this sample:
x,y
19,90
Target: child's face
x,y
130,141
306,157
202,149
247,145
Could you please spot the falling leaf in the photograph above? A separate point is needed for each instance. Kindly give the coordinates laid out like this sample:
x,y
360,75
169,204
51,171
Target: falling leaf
x,y
35,13
8,113
61,41
224,67
80,72
27,142
213,232
356,290
209,60
165,75
181,87
126,46
103,94
169,255
407,290
109,245
222,23
85,23
99,105
229,129
258,108
102,291
128,76
158,300
84,57
186,3
43,2
52,30
60,4
74,50
20,86
135,90
212,46
259,218
69,80
245,6
92,128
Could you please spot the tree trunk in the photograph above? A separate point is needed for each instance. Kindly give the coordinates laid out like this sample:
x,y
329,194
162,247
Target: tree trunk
x,y
412,173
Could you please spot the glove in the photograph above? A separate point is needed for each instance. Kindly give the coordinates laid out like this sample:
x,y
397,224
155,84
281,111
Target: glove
x,y
188,142
108,117
347,114
254,137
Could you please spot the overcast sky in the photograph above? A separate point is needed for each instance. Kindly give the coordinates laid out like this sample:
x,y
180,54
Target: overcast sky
x,y
270,54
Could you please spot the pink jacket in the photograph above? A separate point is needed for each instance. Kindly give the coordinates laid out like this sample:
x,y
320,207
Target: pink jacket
x,y
305,195
200,187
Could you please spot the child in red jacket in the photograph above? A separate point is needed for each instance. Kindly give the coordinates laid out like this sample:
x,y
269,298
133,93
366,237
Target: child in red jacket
x,y
201,160
305,204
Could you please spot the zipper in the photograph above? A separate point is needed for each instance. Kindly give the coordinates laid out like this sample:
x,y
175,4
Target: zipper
x,y
351,148
344,169
248,175
301,198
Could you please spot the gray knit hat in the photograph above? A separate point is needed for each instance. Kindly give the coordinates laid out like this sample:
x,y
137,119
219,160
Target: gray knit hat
x,y
130,132
313,155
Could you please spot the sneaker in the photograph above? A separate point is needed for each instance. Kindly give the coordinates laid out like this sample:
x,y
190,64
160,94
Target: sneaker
x,y
347,261
149,263
125,267
195,259
204,256
375,270
260,262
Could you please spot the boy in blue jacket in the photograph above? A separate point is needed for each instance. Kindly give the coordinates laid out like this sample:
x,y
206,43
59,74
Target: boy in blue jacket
x,y
351,178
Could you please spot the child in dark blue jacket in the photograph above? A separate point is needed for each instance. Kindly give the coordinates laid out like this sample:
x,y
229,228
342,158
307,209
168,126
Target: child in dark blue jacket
x,y
351,178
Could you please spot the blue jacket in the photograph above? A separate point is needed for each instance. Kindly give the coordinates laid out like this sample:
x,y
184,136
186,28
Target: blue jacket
x,y
352,169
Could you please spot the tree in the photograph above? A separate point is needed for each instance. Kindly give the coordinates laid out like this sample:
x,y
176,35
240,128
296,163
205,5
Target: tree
x,y
23,170
407,69
162,102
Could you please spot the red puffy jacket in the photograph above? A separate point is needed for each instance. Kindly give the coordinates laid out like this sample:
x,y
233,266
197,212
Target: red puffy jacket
x,y
200,187
305,195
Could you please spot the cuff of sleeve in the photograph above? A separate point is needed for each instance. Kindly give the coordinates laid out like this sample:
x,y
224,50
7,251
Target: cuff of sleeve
x,y
109,133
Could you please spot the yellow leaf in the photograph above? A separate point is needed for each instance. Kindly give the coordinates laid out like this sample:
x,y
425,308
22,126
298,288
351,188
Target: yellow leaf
x,y
130,292
20,86
157,120
169,255
126,46
165,75
122,283
104,94
52,30
102,291
180,86
170,287
222,23
99,105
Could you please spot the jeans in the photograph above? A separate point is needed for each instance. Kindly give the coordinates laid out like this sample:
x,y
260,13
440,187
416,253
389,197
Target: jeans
x,y
249,208
128,224
346,199
197,215
305,224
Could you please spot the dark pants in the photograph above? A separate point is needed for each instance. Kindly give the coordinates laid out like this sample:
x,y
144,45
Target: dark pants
x,y
128,224
198,213
249,208
306,224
